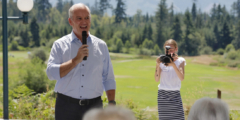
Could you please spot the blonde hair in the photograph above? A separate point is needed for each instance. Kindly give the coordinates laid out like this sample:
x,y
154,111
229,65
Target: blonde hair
x,y
170,42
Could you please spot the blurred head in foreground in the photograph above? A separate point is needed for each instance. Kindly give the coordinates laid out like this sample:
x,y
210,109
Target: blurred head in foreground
x,y
209,109
110,113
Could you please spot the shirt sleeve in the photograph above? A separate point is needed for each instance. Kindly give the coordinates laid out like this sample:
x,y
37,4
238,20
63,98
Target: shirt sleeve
x,y
109,82
54,62
183,60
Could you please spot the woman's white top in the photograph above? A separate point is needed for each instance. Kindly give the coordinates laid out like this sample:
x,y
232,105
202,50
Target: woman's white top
x,y
168,78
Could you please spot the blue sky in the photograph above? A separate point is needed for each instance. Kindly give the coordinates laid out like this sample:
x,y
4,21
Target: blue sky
x,y
150,6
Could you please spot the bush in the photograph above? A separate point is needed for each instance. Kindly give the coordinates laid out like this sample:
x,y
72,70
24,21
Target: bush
x,y
213,64
232,55
144,51
34,76
14,45
232,64
40,53
229,48
220,51
206,50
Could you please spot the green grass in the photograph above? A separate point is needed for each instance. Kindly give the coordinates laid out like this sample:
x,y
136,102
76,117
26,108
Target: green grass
x,y
135,80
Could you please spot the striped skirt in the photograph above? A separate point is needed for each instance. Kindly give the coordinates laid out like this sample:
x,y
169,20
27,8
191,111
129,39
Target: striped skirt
x,y
170,105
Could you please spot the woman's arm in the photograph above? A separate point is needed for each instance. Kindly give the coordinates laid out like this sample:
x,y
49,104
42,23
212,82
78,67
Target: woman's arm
x,y
180,71
157,71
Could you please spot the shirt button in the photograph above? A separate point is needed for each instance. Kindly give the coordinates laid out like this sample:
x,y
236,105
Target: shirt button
x,y
82,86
82,75
82,64
80,96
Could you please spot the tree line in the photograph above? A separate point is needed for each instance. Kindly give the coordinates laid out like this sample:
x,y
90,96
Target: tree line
x,y
194,30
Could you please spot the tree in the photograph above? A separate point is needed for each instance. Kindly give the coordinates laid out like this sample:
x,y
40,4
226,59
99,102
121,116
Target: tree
x,y
149,32
60,6
25,38
43,7
157,50
236,41
194,11
161,20
189,38
236,8
177,31
34,27
103,6
120,11
225,36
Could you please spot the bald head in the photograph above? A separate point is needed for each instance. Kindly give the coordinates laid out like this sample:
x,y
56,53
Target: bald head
x,y
78,6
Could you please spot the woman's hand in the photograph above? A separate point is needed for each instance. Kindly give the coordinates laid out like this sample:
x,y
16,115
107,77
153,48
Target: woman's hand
x,y
158,60
175,57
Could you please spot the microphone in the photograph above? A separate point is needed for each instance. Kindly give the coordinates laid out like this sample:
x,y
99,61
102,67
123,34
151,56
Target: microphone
x,y
84,39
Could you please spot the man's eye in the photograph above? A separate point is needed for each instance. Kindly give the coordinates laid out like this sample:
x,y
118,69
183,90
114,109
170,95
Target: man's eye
x,y
79,18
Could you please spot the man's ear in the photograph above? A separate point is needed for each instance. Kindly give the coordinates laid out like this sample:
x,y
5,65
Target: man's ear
x,y
70,21
176,49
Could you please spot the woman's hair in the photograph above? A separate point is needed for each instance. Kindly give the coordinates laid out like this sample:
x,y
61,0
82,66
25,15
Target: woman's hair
x,y
209,109
171,42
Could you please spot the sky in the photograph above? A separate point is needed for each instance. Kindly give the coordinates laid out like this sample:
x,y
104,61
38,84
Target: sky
x,y
150,6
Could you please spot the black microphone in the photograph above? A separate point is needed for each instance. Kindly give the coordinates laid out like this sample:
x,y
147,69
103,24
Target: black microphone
x,y
84,39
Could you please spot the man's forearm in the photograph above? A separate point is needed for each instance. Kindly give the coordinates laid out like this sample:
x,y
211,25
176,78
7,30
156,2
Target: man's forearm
x,y
110,95
66,67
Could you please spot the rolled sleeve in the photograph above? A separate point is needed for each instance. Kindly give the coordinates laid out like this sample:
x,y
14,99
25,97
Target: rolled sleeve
x,y
54,63
109,82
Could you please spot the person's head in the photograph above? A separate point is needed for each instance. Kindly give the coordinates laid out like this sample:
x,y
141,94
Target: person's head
x,y
110,113
79,18
209,109
173,44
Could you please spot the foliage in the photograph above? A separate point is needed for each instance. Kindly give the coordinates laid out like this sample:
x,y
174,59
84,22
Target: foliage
x,y
206,50
40,53
232,55
34,77
220,51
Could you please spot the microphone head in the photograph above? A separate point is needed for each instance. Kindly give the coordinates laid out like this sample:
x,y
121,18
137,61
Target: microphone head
x,y
84,33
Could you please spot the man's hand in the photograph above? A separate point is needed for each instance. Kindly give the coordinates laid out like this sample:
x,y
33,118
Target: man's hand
x,y
82,52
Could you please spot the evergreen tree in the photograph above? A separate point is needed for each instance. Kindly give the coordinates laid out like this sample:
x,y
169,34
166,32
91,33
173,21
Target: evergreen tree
x,y
194,11
225,36
177,31
43,7
236,41
60,6
189,46
34,27
120,11
149,32
103,6
161,20
25,38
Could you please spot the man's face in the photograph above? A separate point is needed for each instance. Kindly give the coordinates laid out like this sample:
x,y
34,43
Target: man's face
x,y
80,20
171,50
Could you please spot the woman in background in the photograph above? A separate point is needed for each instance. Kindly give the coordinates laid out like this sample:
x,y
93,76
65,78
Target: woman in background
x,y
169,99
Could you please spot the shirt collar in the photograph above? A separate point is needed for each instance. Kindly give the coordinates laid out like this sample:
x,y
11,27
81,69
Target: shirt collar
x,y
74,37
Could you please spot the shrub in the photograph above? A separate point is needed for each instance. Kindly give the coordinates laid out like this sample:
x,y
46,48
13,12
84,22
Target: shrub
x,y
229,48
40,53
232,55
220,51
232,64
213,64
206,50
34,76
14,45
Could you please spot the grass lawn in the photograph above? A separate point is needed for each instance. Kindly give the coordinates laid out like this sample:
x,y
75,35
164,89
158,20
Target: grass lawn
x,y
135,80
